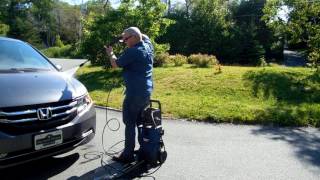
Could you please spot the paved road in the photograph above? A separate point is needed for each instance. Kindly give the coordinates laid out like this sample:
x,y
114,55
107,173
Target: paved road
x,y
196,151
293,58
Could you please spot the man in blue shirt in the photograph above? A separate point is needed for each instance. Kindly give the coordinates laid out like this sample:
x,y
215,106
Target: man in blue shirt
x,y
137,64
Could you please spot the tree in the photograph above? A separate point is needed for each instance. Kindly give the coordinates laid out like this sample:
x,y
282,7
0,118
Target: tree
x,y
178,33
29,20
4,6
44,20
253,39
40,21
68,19
101,29
232,30
201,27
19,20
209,23
4,28
301,28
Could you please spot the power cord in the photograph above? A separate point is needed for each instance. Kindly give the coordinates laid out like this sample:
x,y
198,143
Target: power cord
x,y
110,152
107,152
93,155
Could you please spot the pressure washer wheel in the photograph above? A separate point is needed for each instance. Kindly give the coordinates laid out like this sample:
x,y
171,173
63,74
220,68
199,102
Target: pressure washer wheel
x,y
162,156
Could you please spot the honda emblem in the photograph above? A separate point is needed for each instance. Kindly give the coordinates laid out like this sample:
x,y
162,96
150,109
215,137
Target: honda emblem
x,y
44,113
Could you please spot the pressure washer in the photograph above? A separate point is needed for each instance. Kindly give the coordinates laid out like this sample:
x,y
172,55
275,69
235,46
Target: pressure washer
x,y
152,152
152,149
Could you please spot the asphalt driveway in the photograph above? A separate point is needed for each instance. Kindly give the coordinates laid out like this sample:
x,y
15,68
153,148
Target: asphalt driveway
x,y
195,151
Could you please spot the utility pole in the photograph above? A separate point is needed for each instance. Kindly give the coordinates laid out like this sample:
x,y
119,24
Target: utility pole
x,y
169,6
82,10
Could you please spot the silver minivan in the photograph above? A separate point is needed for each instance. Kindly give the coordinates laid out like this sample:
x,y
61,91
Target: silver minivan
x,y
43,112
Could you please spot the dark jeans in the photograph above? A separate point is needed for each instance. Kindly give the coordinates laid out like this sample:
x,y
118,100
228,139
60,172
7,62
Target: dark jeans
x,y
132,108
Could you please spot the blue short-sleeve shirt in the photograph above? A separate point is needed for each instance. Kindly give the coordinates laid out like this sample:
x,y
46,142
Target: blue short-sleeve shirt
x,y
137,63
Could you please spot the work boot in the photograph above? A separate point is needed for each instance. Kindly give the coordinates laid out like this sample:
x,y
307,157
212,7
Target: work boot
x,y
123,158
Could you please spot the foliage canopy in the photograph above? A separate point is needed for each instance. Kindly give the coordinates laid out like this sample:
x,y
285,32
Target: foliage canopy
x,y
100,29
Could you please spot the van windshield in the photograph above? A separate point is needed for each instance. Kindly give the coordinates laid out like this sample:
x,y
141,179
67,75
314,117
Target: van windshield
x,y
19,56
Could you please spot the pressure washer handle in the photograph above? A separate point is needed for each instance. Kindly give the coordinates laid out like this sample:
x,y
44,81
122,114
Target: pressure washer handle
x,y
155,101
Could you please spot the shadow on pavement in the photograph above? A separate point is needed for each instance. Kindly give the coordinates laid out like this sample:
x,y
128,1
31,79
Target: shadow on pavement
x,y
40,169
113,170
306,144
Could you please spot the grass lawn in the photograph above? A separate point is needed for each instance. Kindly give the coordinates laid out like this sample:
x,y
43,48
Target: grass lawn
x,y
271,95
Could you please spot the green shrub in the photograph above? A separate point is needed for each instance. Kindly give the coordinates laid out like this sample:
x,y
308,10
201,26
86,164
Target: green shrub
x,y
58,52
178,59
193,58
58,42
4,29
262,62
314,57
202,60
161,59
161,48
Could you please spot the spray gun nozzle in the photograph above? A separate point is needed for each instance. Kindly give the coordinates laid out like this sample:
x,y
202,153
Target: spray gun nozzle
x,y
115,40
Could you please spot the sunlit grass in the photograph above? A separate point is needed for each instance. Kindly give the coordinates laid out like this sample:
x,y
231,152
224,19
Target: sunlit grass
x,y
277,95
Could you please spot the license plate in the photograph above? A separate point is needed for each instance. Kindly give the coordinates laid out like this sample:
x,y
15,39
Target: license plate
x,y
47,139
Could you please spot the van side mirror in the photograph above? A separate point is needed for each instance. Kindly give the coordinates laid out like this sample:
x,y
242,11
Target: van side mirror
x,y
59,67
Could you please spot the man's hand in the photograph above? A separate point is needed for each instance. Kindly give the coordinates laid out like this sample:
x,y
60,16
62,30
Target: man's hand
x,y
109,50
113,58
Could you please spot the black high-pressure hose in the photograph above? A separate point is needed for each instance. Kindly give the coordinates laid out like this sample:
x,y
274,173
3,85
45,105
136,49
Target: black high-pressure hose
x,y
96,154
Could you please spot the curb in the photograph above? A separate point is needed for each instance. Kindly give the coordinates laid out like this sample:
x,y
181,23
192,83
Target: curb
x,y
118,110
109,108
